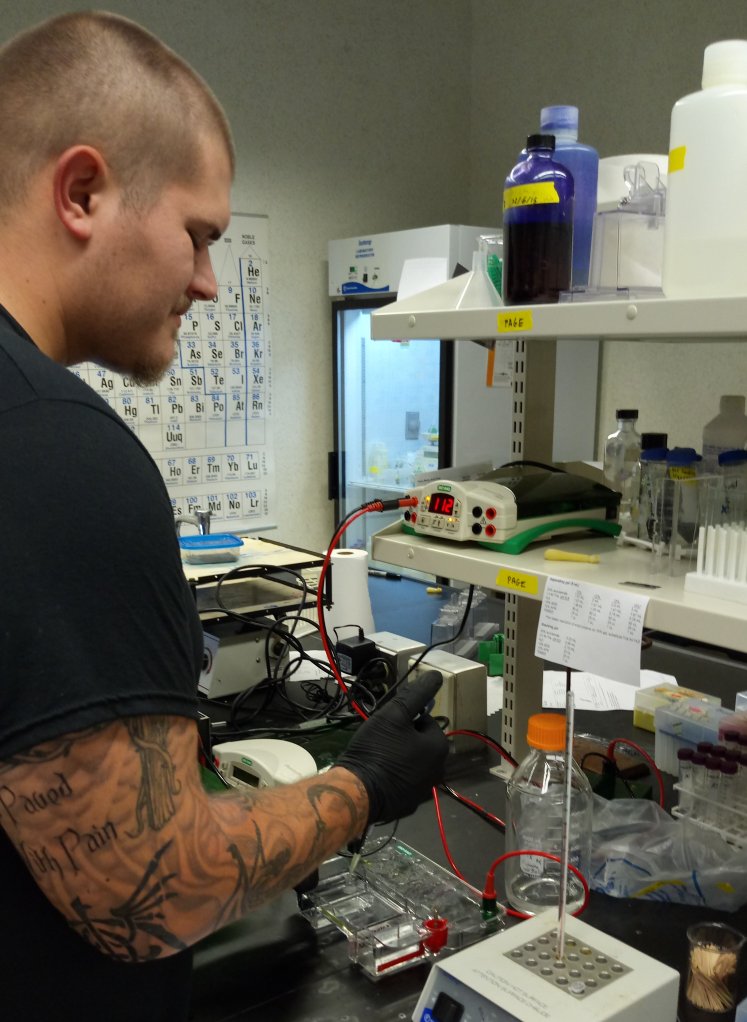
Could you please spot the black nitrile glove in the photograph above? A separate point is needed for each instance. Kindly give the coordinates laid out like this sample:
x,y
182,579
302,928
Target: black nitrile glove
x,y
400,752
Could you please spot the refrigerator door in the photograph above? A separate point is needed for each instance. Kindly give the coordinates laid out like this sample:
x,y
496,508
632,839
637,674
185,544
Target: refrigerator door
x,y
392,416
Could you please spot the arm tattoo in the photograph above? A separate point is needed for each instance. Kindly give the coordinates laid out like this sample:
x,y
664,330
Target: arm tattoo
x,y
158,783
49,751
141,915
251,883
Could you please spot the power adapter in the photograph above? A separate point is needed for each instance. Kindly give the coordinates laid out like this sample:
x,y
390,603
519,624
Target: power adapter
x,y
353,654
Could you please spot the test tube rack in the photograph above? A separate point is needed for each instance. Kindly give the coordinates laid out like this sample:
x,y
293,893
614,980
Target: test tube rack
x,y
729,821
721,569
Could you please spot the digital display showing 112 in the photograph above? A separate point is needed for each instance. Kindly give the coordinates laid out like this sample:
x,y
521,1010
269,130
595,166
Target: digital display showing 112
x,y
441,504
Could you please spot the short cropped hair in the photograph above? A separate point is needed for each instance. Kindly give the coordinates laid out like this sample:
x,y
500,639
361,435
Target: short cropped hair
x,y
98,79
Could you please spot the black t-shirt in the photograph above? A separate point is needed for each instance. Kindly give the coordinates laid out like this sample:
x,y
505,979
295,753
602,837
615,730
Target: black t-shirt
x,y
97,622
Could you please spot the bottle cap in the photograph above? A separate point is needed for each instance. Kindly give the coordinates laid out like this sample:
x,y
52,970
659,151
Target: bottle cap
x,y
560,120
718,750
732,457
683,456
649,440
685,754
725,63
654,454
713,762
728,768
626,413
705,747
546,731
733,755
731,734
699,758
541,142
732,403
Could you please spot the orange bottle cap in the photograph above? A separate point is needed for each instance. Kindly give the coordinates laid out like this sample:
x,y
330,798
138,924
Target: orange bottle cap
x,y
546,731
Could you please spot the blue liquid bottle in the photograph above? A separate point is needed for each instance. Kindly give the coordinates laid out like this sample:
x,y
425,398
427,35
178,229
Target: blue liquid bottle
x,y
583,163
537,226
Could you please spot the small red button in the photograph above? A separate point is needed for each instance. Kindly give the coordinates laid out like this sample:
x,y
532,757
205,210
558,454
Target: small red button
x,y
491,513
414,516
490,530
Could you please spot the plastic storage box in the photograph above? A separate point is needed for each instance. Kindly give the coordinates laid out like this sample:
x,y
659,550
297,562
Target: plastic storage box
x,y
214,548
682,725
398,910
666,694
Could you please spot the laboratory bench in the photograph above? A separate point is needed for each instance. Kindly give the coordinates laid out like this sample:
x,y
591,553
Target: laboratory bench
x,y
273,965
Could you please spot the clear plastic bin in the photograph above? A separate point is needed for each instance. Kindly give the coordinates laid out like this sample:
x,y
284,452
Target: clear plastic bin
x,y
398,910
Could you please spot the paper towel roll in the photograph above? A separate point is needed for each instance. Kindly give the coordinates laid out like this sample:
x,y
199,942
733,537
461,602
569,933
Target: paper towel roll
x,y
351,602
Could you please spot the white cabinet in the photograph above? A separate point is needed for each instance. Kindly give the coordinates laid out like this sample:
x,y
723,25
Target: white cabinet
x,y
522,577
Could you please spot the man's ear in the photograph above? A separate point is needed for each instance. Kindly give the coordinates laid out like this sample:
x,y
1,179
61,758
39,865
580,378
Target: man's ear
x,y
80,176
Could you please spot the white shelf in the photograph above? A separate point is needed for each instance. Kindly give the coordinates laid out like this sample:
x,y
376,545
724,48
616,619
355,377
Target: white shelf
x,y
432,314
670,608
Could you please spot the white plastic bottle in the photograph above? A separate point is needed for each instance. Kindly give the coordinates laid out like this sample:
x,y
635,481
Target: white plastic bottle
x,y
535,800
705,228
621,453
583,163
727,431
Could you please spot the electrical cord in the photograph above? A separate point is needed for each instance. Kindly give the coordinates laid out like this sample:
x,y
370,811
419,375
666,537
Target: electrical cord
x,y
374,505
649,760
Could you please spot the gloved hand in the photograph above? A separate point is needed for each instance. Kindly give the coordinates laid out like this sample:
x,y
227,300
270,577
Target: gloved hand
x,y
400,752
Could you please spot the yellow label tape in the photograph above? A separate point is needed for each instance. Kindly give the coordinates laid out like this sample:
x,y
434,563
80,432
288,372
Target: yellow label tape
x,y
519,321
677,158
518,582
541,194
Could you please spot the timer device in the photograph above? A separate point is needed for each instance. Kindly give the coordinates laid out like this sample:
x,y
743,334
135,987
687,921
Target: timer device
x,y
263,762
511,508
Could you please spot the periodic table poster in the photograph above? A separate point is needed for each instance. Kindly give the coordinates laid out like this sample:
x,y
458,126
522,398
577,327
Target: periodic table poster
x,y
207,423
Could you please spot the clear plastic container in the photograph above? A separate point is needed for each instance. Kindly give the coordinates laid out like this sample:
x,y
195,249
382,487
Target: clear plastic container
x,y
621,453
705,229
535,800
215,548
727,431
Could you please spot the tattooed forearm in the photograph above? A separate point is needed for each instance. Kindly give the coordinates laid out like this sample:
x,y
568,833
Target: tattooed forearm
x,y
158,785
123,839
121,933
265,875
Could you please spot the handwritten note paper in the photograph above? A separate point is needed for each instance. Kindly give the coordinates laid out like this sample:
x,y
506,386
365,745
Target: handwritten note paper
x,y
591,628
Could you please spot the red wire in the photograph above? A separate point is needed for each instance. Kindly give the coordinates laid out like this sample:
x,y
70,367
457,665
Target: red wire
x,y
373,505
487,741
490,879
657,772
320,609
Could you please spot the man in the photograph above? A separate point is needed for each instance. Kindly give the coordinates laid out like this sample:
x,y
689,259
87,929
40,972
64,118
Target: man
x,y
115,175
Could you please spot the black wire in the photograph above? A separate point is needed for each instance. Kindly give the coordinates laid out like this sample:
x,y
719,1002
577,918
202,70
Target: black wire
x,y
491,742
367,853
477,810
442,642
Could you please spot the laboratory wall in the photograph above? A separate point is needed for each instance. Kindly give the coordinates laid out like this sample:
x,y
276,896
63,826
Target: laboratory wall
x,y
624,64
355,118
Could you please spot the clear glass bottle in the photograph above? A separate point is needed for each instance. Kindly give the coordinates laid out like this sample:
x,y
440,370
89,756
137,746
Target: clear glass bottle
x,y
621,453
535,800
726,432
